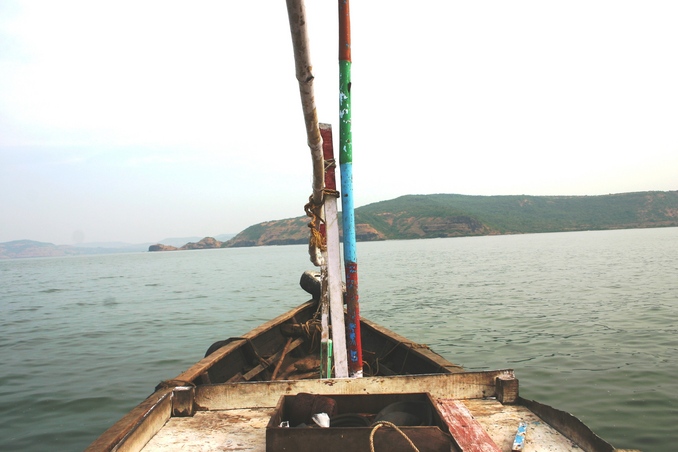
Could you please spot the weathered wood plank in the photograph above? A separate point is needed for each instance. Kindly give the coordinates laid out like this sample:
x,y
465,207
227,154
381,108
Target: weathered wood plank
x,y
507,389
267,393
261,367
469,435
152,423
231,430
156,402
501,421
334,278
569,426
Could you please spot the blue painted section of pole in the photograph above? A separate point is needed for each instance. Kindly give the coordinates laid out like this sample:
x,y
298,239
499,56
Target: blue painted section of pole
x,y
348,212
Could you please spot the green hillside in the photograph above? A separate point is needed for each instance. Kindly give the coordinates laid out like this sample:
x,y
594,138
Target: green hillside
x,y
523,214
450,215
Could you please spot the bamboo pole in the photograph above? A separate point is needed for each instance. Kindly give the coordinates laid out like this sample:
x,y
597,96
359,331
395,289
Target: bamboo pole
x,y
296,13
355,359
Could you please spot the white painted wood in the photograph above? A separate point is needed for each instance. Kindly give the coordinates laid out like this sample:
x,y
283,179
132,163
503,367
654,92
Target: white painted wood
x,y
336,290
152,422
324,319
230,430
501,421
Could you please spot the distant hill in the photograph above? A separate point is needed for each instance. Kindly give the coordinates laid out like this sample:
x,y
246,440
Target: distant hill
x,y
204,244
450,215
32,248
179,242
424,216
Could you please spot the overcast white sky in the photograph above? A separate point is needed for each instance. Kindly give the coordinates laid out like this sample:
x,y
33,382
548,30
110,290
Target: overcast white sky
x,y
139,120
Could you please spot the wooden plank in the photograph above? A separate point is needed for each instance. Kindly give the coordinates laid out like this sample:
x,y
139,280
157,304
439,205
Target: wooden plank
x,y
281,358
469,435
230,430
500,422
261,367
334,277
266,393
569,426
108,440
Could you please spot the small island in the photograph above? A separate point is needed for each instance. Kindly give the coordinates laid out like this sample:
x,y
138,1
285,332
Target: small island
x,y
204,244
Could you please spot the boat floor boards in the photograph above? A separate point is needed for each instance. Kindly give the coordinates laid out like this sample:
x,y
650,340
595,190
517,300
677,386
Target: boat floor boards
x,y
241,429
244,429
235,416
501,423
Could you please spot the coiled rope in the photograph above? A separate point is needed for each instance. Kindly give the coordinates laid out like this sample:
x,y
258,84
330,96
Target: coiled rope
x,y
314,212
380,424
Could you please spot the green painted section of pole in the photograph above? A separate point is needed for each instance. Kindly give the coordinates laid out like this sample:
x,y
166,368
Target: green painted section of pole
x,y
345,132
355,355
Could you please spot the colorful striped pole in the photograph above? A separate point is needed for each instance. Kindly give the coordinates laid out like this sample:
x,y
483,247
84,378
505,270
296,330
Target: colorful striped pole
x,y
355,358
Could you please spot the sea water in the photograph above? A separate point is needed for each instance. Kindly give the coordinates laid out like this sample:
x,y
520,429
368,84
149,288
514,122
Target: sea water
x,y
588,320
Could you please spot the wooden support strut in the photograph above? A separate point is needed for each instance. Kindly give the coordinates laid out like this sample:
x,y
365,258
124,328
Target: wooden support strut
x,y
261,367
333,261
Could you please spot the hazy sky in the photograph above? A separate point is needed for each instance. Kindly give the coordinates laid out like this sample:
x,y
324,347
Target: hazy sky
x,y
139,120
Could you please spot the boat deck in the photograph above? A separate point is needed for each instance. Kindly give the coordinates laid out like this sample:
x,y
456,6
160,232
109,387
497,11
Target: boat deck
x,y
241,429
231,400
245,429
234,417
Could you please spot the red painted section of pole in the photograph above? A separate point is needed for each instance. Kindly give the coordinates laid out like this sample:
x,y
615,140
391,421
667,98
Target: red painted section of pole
x,y
344,31
328,155
354,341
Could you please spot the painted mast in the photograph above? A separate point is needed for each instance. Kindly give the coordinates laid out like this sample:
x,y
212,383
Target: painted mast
x,y
355,358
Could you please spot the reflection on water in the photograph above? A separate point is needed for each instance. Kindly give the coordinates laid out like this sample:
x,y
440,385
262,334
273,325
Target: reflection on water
x,y
587,320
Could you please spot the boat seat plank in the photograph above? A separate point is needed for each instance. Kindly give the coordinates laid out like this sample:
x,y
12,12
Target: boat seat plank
x,y
227,430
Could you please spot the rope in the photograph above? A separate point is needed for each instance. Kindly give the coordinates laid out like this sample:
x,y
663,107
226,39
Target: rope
x,y
369,369
380,424
313,211
264,362
173,384
329,164
311,328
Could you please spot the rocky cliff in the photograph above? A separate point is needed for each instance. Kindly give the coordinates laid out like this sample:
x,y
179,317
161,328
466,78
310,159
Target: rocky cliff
x,y
161,247
204,244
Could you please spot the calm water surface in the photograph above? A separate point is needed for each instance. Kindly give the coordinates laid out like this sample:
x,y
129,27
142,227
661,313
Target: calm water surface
x,y
589,321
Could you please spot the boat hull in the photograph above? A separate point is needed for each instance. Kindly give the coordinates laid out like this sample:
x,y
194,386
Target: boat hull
x,y
227,400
